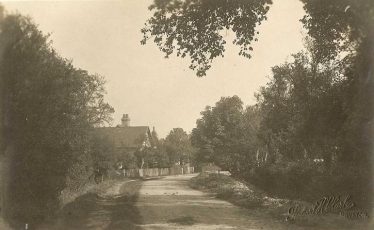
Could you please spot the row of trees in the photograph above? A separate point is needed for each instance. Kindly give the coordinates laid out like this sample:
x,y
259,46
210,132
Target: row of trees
x,y
300,127
317,108
303,138
48,108
174,149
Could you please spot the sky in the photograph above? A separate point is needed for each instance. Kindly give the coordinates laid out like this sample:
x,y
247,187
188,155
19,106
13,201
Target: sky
x,y
103,37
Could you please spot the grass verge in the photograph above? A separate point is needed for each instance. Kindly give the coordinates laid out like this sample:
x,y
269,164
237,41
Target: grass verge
x,y
116,207
248,196
227,188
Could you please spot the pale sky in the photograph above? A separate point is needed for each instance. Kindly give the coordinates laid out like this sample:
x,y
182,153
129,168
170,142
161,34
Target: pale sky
x,y
104,37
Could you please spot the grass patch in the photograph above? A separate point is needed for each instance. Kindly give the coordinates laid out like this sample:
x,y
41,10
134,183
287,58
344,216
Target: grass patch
x,y
184,220
227,188
249,196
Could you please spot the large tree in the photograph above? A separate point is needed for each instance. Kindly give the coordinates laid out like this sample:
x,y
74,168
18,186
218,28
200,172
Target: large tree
x,y
194,27
346,27
48,107
219,134
302,110
178,147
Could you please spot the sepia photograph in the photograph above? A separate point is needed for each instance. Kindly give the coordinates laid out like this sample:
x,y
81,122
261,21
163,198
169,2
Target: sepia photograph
x,y
186,114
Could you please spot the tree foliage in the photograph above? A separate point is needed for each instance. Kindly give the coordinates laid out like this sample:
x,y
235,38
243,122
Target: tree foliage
x,y
298,103
103,155
299,137
347,28
178,147
194,27
48,108
319,106
339,25
224,135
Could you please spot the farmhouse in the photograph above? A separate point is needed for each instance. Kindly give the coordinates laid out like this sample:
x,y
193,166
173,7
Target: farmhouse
x,y
130,142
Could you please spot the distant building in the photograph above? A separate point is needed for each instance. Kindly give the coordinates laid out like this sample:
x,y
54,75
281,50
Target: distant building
x,y
128,140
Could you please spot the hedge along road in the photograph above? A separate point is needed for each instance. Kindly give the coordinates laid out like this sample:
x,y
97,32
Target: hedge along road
x,y
162,204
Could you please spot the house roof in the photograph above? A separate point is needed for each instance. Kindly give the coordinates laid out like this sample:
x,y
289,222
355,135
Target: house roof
x,y
127,137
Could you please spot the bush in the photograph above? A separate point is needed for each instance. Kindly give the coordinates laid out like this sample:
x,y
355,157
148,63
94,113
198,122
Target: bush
x,y
309,182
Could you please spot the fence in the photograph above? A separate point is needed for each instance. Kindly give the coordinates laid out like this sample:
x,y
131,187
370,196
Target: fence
x,y
154,172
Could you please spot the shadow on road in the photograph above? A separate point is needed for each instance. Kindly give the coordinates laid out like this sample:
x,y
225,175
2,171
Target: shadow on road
x,y
91,211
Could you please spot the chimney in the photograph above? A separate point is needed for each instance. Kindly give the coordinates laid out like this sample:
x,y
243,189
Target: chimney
x,y
125,120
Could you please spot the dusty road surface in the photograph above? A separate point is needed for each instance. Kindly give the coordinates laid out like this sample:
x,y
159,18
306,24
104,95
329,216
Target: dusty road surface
x,y
169,203
163,204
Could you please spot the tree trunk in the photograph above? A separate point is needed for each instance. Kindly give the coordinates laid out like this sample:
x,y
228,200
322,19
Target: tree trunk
x,y
141,166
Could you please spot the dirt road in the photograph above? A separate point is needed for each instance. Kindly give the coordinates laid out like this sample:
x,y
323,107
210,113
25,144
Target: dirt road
x,y
169,203
163,204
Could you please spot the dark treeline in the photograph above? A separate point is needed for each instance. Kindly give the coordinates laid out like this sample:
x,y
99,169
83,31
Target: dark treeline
x,y
48,107
298,140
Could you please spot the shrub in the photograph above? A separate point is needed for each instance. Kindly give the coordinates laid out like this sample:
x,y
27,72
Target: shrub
x,y
227,188
306,181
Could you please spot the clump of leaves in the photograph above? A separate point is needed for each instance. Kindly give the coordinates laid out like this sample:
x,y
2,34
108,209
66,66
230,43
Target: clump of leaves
x,y
193,27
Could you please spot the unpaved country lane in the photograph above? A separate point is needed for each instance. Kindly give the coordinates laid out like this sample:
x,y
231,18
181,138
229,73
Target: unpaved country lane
x,y
169,203
110,210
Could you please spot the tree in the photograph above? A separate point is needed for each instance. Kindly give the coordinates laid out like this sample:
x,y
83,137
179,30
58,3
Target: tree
x,y
340,32
219,134
48,109
178,147
250,141
319,105
347,27
337,28
298,103
103,154
194,27
187,28
161,156
156,157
